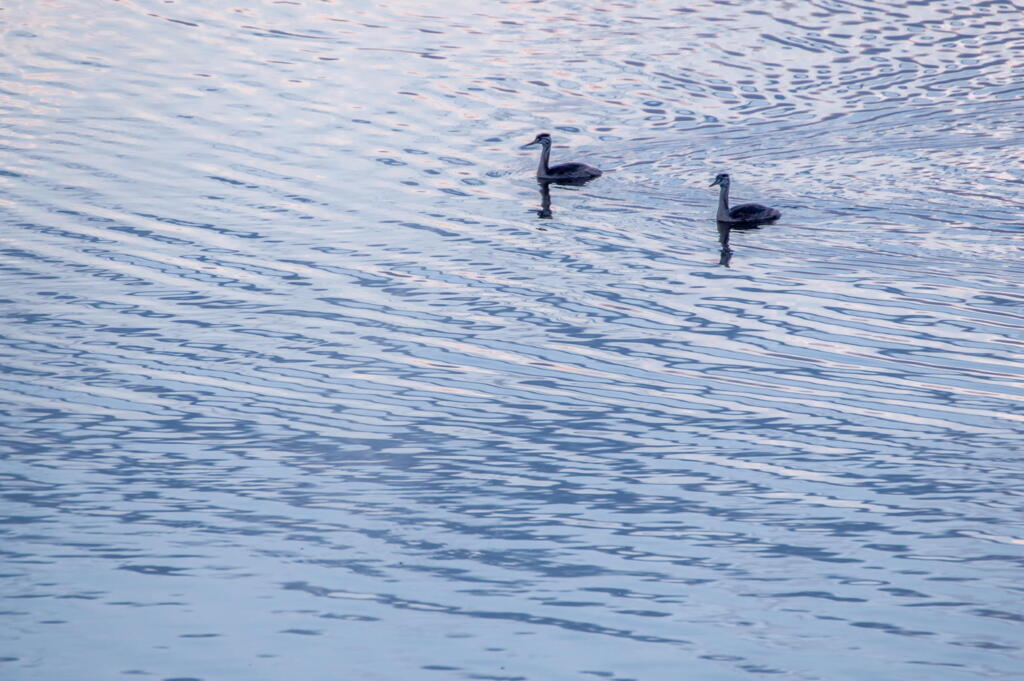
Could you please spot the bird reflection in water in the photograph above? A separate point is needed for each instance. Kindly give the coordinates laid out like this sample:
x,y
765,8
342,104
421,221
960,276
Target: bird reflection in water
x,y
545,200
545,193
724,255
725,230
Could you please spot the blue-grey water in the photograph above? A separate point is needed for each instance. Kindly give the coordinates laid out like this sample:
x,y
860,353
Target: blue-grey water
x,y
296,383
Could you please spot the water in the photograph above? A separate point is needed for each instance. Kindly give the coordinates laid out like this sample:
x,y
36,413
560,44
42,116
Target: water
x,y
299,385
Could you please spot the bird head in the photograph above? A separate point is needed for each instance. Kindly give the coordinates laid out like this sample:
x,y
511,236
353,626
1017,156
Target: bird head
x,y
542,139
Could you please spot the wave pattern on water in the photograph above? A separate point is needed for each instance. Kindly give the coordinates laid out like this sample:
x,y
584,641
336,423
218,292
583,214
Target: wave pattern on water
x,y
289,358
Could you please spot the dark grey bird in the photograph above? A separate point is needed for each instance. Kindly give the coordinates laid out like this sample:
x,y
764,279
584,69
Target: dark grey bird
x,y
746,213
572,173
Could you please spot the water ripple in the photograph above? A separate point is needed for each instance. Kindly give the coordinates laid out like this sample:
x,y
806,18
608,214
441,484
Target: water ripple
x,y
290,355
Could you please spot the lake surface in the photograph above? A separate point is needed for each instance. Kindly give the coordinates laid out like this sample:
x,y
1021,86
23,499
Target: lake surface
x,y
297,383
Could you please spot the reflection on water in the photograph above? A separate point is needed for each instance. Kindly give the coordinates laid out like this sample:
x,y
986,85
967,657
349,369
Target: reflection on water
x,y
545,200
545,210
296,388
724,234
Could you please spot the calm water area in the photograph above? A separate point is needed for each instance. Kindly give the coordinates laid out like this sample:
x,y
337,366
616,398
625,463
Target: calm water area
x,y
303,377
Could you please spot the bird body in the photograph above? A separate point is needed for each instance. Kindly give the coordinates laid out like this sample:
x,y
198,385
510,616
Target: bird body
x,y
563,172
750,212
744,213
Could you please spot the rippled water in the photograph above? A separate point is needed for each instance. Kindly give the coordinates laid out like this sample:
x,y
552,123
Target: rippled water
x,y
298,385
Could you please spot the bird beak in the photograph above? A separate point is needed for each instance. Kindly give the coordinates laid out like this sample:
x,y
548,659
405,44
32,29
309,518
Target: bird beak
x,y
530,144
717,181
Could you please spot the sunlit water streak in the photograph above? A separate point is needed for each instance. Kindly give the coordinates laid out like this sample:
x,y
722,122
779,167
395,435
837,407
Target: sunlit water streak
x,y
298,384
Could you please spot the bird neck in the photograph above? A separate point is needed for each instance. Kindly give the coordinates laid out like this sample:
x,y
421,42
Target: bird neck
x,y
723,202
545,153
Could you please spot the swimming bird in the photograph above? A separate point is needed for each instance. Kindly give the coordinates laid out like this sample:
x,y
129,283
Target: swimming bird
x,y
572,173
746,213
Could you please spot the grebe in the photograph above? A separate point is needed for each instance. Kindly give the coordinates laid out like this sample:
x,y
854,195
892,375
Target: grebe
x,y
563,172
746,213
